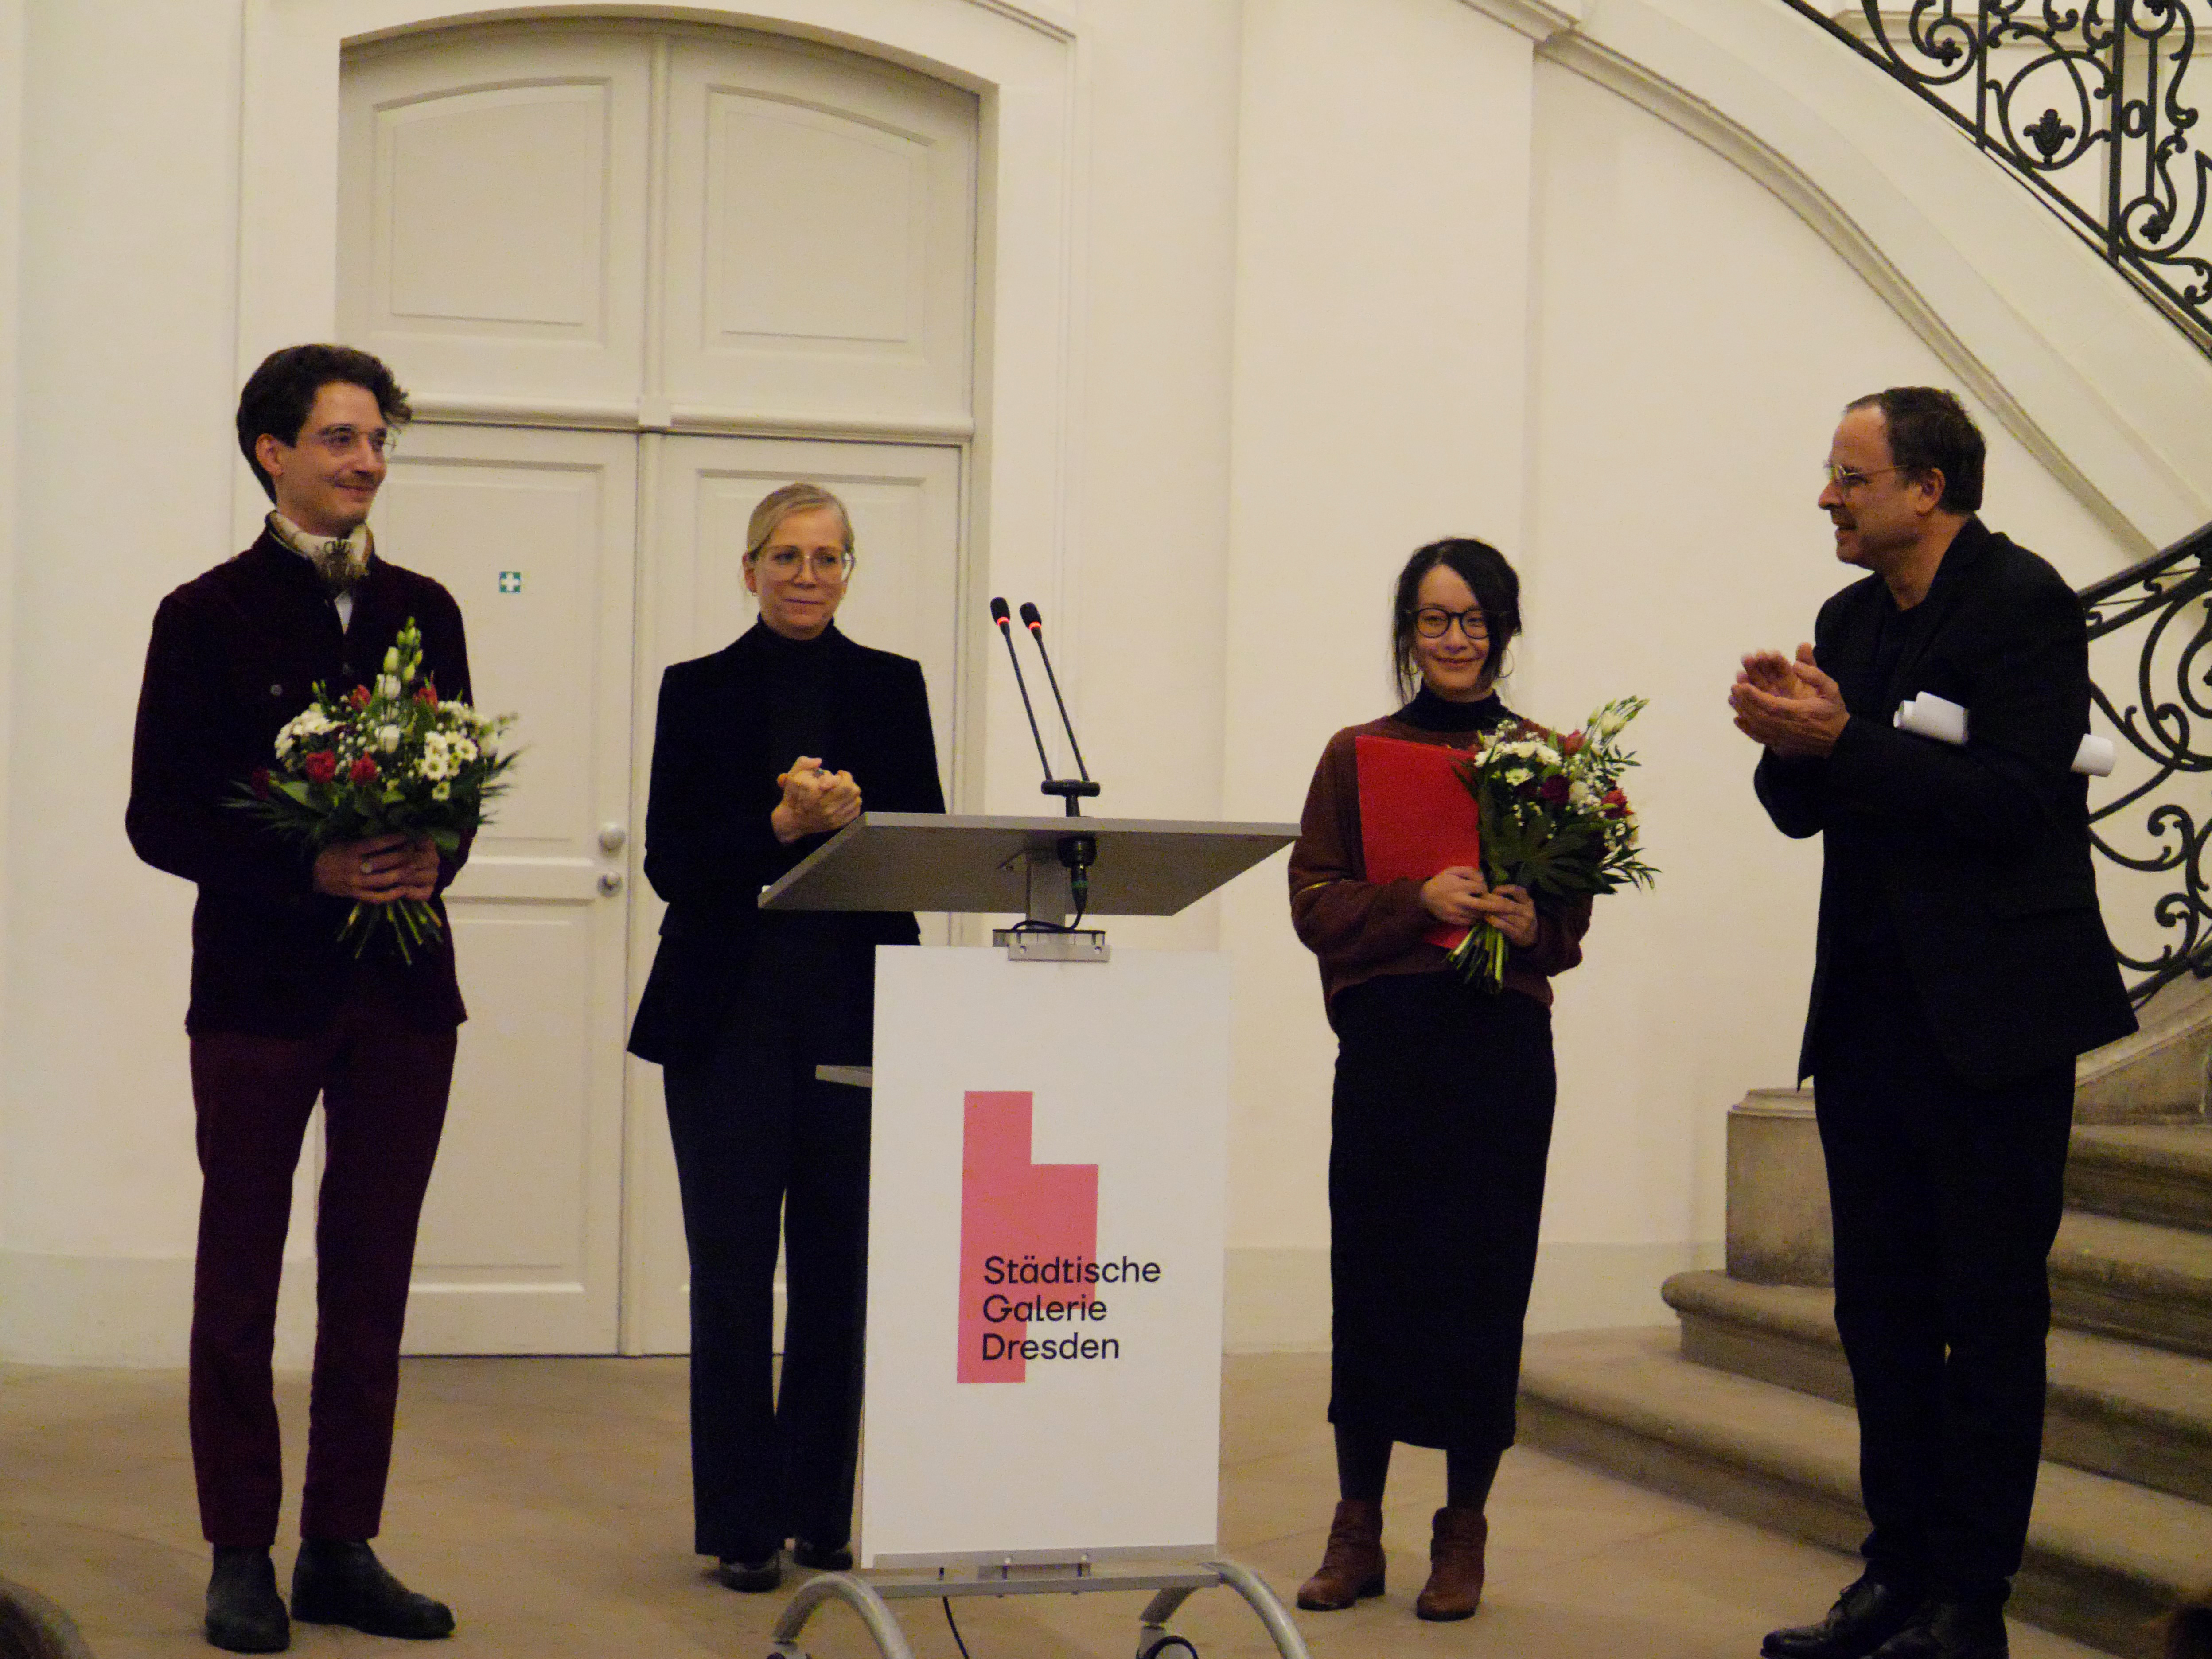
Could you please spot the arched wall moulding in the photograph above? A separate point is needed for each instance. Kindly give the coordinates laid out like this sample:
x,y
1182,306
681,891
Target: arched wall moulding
x,y
1020,57
2105,392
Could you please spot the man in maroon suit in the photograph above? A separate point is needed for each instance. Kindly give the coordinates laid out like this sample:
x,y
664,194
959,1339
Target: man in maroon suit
x,y
282,1013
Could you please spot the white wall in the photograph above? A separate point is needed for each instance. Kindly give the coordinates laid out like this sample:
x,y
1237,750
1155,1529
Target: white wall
x,y
1381,304
11,253
1633,401
128,239
1695,343
1150,455
1341,276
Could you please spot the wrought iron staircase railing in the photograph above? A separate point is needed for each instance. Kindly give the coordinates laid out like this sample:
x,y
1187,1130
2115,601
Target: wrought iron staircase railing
x,y
2150,832
2091,104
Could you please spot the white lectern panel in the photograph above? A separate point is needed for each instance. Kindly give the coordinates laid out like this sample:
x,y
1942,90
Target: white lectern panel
x,y
1048,1139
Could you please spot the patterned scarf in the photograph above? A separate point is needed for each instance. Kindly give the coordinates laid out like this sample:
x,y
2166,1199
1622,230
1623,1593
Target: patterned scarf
x,y
340,561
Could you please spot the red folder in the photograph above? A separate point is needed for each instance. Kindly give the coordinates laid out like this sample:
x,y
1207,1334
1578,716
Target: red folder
x,y
1416,817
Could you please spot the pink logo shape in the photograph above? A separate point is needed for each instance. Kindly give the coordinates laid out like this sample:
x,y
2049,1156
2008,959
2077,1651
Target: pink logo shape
x,y
1028,1233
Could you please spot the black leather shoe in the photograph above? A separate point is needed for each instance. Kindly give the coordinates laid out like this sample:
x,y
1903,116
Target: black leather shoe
x,y
815,1558
244,1614
753,1577
1951,1629
1865,1616
344,1583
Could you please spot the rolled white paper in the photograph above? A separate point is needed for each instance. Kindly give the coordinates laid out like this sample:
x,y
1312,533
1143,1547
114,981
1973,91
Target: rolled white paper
x,y
1930,716
2095,756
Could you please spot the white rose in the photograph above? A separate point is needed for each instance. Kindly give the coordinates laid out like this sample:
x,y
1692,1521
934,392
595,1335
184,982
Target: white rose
x,y
387,738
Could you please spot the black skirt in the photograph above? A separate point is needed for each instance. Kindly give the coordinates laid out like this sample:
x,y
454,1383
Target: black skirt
x,y
1440,1126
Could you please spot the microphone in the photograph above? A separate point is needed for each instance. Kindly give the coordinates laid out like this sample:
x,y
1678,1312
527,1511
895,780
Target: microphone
x,y
1005,632
1069,788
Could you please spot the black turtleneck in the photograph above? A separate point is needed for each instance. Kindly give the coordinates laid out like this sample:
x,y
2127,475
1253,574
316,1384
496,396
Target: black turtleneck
x,y
1430,713
799,713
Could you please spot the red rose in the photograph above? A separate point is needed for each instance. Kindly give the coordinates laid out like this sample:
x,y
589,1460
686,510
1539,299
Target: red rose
x,y
358,697
363,770
1571,743
1616,804
1552,792
427,693
261,783
321,766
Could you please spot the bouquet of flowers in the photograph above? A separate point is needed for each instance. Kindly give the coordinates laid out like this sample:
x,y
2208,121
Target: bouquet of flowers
x,y
1554,820
389,758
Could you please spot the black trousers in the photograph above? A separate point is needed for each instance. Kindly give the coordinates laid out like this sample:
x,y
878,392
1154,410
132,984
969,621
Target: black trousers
x,y
1439,1131
1946,1195
764,1148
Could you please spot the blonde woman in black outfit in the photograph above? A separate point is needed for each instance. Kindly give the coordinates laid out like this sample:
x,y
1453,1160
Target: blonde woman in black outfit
x,y
761,752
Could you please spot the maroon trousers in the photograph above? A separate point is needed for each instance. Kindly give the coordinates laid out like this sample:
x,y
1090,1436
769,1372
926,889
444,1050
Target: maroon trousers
x,y
383,1084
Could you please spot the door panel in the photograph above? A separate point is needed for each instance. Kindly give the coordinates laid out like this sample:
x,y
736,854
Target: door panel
x,y
905,596
534,533
492,201
820,237
905,503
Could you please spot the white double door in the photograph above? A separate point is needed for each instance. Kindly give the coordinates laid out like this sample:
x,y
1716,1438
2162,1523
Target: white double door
x,y
585,562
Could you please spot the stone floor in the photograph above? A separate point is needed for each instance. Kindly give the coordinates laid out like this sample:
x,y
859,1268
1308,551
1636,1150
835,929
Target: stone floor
x,y
547,1499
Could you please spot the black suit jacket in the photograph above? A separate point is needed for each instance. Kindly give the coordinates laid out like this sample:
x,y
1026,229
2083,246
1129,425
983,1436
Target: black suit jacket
x,y
1978,856
709,847
236,652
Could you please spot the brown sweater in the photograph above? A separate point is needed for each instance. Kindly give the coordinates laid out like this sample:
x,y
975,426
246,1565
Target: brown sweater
x,y
1361,929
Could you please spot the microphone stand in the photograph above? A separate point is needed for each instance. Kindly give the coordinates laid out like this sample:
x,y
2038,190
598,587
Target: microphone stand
x,y
1079,787
1077,853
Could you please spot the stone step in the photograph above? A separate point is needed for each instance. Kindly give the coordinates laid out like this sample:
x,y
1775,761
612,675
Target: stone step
x,y
2158,1074
2136,1280
2105,1558
2115,1408
2143,1174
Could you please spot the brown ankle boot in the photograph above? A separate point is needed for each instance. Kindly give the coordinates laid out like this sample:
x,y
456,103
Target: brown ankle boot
x,y
1455,1586
1351,1565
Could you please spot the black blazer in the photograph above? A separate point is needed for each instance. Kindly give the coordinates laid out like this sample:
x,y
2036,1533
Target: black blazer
x,y
235,653
708,848
1979,854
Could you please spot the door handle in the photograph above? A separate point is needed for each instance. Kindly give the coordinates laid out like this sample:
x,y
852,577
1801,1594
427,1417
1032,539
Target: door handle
x,y
610,881
613,837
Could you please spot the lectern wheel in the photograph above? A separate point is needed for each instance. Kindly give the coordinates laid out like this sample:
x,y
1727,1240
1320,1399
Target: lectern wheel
x,y
1164,1644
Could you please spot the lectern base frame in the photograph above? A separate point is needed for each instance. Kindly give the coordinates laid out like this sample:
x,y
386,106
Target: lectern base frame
x,y
1172,1583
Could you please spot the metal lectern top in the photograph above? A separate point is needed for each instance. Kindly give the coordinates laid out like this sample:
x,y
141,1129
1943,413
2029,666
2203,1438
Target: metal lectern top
x,y
980,865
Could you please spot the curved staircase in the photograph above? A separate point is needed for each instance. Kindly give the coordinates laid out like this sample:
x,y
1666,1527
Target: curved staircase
x,y
1747,1409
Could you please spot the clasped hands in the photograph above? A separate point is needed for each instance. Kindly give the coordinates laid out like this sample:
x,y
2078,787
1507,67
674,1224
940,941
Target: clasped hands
x,y
815,802
1792,707
1458,896
378,870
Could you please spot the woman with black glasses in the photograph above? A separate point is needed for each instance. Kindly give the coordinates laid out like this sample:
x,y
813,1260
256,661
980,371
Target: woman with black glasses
x,y
1442,1115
